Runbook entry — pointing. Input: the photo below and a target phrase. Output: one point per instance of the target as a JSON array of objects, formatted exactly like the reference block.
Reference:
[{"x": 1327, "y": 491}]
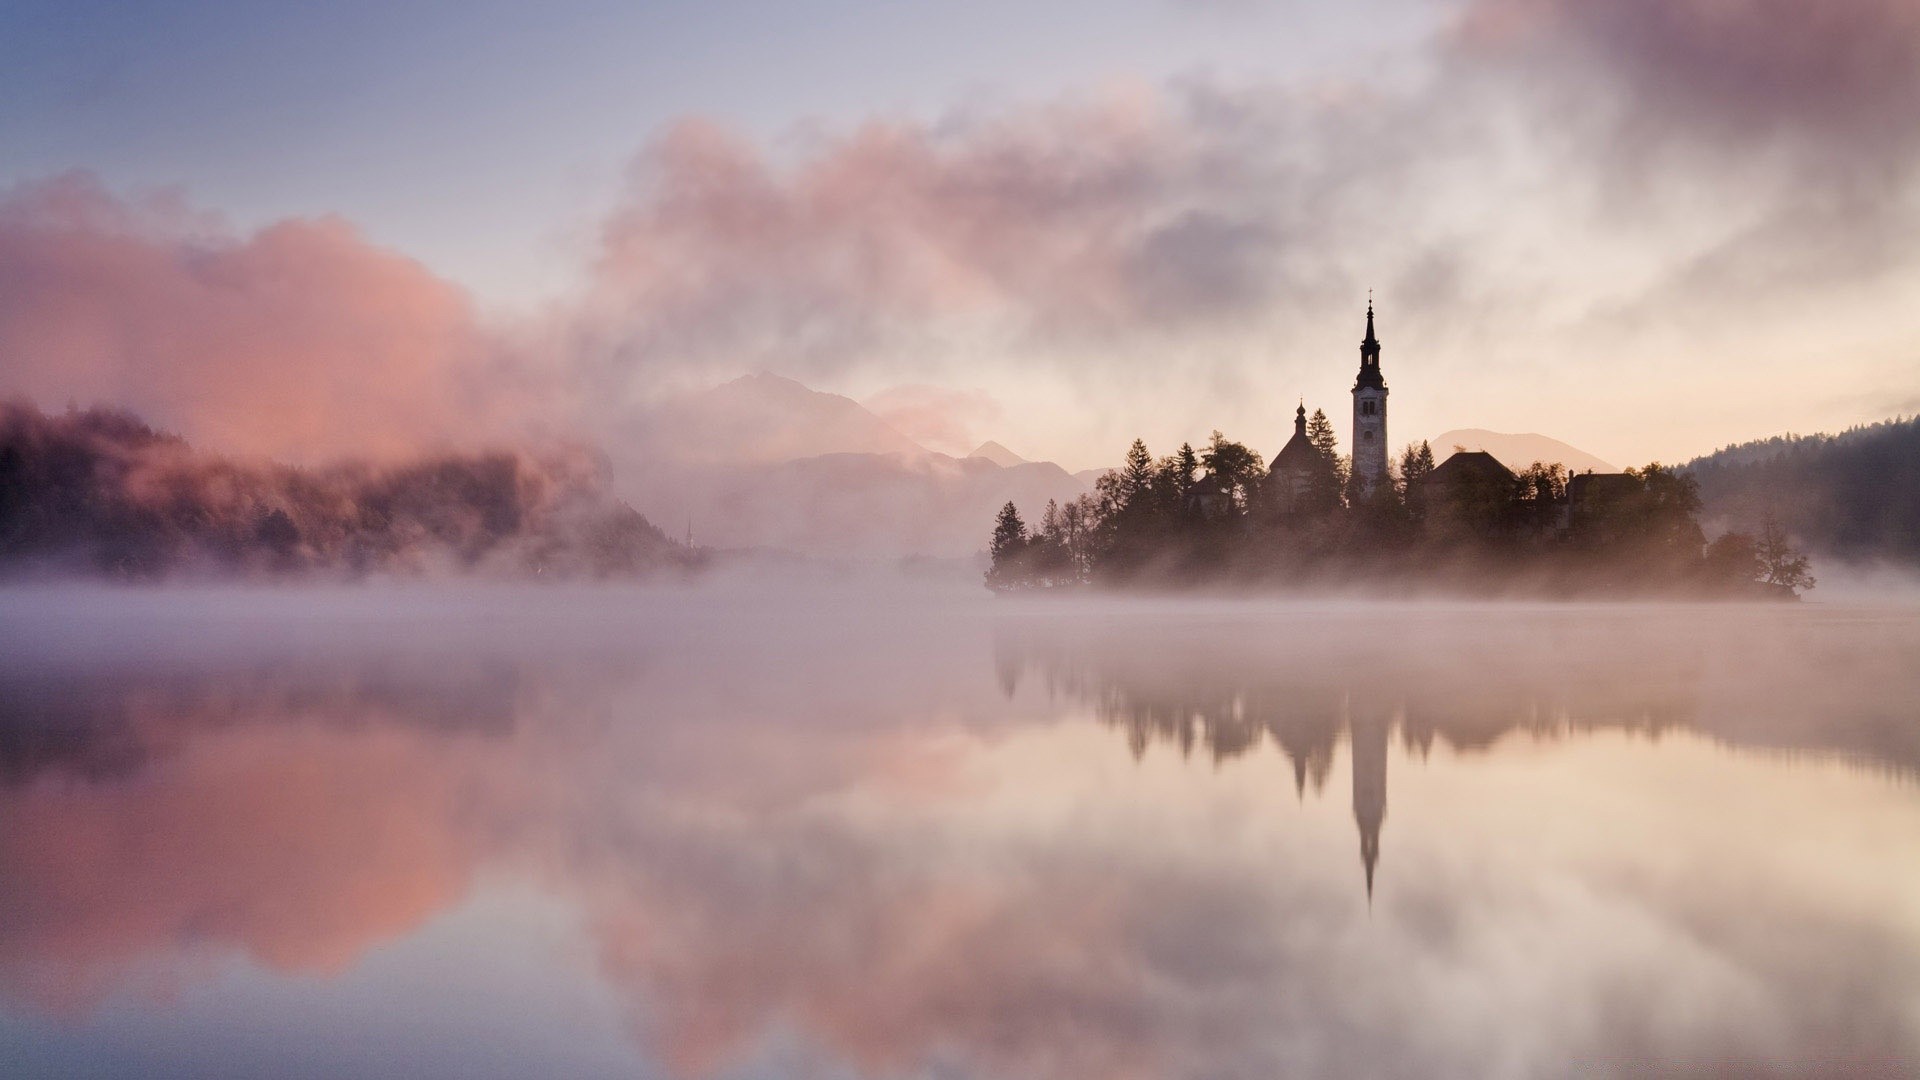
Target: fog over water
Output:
[{"x": 897, "y": 828}]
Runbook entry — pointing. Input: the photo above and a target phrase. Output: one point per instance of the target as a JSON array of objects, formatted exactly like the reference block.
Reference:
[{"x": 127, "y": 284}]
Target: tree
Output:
[
  {"x": 1008, "y": 549},
  {"x": 1733, "y": 559},
  {"x": 1136, "y": 479},
  {"x": 1049, "y": 552},
  {"x": 1782, "y": 565},
  {"x": 1329, "y": 480},
  {"x": 1077, "y": 522},
  {"x": 1176, "y": 480},
  {"x": 1234, "y": 470},
  {"x": 1666, "y": 514},
  {"x": 1416, "y": 464},
  {"x": 1542, "y": 492}
]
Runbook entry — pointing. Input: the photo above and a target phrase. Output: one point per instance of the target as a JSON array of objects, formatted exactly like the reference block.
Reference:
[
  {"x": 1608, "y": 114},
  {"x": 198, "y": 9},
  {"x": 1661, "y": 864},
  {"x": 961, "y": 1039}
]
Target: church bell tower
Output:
[{"x": 1370, "y": 415}]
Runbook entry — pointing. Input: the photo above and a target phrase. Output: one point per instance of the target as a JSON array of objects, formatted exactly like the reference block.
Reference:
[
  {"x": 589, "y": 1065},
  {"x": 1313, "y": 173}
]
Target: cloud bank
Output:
[
  {"x": 300, "y": 340},
  {"x": 1556, "y": 200}
]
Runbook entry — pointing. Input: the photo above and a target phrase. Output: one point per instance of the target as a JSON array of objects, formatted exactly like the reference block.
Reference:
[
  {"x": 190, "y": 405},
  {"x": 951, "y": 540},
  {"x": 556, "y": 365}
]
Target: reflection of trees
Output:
[
  {"x": 1229, "y": 697},
  {"x": 99, "y": 724},
  {"x": 780, "y": 837},
  {"x": 1231, "y": 688}
]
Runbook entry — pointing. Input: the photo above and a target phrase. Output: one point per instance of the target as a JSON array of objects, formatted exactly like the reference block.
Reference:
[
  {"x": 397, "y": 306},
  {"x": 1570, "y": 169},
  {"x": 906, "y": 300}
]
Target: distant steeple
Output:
[
  {"x": 1367, "y": 743},
  {"x": 1300, "y": 419},
  {"x": 1370, "y": 414},
  {"x": 1370, "y": 356}
]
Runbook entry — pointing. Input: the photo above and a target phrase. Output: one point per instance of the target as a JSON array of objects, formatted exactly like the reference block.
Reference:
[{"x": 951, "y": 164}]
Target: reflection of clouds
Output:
[
  {"x": 1190, "y": 925},
  {"x": 300, "y": 847},
  {"x": 857, "y": 839},
  {"x": 1800, "y": 682}
]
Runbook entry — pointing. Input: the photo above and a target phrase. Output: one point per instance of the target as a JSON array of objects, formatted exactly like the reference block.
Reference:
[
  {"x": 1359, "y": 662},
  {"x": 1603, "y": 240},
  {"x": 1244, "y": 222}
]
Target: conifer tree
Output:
[
  {"x": 1416, "y": 463},
  {"x": 1329, "y": 479},
  {"x": 1176, "y": 479},
  {"x": 1136, "y": 479},
  {"x": 1008, "y": 549}
]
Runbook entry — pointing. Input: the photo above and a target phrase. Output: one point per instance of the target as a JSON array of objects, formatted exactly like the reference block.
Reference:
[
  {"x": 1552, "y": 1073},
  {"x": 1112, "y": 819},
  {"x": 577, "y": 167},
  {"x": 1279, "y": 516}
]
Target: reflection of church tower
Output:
[
  {"x": 1370, "y": 414},
  {"x": 1367, "y": 738}
]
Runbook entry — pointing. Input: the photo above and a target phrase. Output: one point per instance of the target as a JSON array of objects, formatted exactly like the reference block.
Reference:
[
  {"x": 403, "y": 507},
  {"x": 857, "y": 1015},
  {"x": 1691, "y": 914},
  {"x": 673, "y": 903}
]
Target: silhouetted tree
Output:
[
  {"x": 1136, "y": 480},
  {"x": 1782, "y": 566},
  {"x": 1233, "y": 473},
  {"x": 1542, "y": 490},
  {"x": 1855, "y": 494},
  {"x": 1327, "y": 487},
  {"x": 1177, "y": 478},
  {"x": 1008, "y": 550},
  {"x": 1416, "y": 464},
  {"x": 1732, "y": 559}
]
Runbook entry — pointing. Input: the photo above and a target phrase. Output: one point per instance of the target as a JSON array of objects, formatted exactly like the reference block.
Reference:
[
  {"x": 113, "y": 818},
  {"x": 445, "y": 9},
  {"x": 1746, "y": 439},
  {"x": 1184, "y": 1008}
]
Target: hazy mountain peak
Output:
[
  {"x": 764, "y": 417},
  {"x": 998, "y": 454},
  {"x": 1518, "y": 450}
]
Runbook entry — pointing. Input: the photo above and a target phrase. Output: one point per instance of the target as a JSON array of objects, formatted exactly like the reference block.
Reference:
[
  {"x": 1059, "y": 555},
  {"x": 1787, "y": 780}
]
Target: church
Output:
[{"x": 1290, "y": 480}]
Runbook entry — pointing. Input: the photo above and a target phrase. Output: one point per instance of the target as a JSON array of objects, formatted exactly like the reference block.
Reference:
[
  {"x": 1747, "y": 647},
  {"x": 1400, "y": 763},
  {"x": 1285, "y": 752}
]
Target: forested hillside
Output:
[
  {"x": 99, "y": 492},
  {"x": 1855, "y": 495}
]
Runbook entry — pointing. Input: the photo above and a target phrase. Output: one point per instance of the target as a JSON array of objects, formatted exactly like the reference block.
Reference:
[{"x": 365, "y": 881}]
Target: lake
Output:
[{"x": 907, "y": 831}]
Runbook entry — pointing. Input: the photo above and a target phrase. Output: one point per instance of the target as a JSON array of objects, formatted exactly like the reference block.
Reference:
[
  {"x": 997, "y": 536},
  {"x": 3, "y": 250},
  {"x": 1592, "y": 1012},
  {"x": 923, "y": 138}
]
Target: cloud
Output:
[
  {"x": 300, "y": 340},
  {"x": 102, "y": 877},
  {"x": 1837, "y": 84},
  {"x": 937, "y": 417},
  {"x": 1549, "y": 183},
  {"x": 1051, "y": 226}
]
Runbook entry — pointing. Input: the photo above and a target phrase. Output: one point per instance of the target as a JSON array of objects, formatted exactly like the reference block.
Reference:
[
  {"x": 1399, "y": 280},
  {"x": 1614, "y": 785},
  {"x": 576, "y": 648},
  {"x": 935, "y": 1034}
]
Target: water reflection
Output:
[
  {"x": 1842, "y": 686},
  {"x": 862, "y": 842}
]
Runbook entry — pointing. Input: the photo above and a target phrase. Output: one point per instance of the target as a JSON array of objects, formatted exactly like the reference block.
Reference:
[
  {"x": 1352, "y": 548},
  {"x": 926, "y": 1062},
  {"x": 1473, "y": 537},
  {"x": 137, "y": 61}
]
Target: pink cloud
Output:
[
  {"x": 937, "y": 417},
  {"x": 300, "y": 340}
]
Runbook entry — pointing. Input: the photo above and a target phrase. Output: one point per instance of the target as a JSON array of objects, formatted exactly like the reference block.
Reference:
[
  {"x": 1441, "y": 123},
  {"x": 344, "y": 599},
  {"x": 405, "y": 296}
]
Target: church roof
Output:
[
  {"x": 1469, "y": 465},
  {"x": 1297, "y": 454}
]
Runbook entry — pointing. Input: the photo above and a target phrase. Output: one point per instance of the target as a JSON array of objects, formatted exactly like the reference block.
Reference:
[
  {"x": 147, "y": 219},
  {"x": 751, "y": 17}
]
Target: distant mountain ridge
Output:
[
  {"x": 999, "y": 455},
  {"x": 98, "y": 492},
  {"x": 1517, "y": 451},
  {"x": 767, "y": 462},
  {"x": 1855, "y": 495},
  {"x": 765, "y": 418}
]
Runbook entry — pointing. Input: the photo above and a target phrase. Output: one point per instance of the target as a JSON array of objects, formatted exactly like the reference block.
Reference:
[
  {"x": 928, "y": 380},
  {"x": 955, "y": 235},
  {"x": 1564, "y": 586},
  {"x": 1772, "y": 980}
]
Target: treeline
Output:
[
  {"x": 1217, "y": 517},
  {"x": 98, "y": 492},
  {"x": 1855, "y": 495}
]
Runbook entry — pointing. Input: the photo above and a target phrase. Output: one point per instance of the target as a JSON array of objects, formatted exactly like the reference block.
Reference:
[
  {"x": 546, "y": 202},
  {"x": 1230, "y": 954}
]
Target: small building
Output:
[
  {"x": 1470, "y": 469},
  {"x": 1290, "y": 478},
  {"x": 1470, "y": 492}
]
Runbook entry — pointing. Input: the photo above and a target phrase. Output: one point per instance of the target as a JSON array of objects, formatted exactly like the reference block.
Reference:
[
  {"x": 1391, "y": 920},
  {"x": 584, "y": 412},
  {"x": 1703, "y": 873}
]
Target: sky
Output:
[{"x": 1646, "y": 227}]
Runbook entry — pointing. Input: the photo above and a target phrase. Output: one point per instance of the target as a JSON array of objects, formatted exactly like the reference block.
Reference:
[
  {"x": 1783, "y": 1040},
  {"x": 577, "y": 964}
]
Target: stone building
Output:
[{"x": 1369, "y": 417}]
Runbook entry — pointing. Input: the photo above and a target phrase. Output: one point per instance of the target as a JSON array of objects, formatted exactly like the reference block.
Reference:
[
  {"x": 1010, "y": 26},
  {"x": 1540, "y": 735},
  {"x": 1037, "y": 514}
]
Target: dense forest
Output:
[
  {"x": 1218, "y": 518},
  {"x": 99, "y": 492},
  {"x": 1855, "y": 495}
]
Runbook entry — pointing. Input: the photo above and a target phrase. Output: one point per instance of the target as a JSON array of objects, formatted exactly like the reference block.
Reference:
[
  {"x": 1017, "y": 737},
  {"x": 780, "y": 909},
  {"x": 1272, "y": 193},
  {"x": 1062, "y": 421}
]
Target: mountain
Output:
[
  {"x": 849, "y": 505},
  {"x": 1517, "y": 452},
  {"x": 767, "y": 462},
  {"x": 765, "y": 418},
  {"x": 1855, "y": 495},
  {"x": 100, "y": 493},
  {"x": 999, "y": 455}
]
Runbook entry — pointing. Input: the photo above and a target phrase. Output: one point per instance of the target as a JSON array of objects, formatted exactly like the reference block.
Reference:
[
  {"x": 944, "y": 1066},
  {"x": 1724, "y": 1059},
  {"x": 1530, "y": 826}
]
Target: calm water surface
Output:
[{"x": 554, "y": 833}]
